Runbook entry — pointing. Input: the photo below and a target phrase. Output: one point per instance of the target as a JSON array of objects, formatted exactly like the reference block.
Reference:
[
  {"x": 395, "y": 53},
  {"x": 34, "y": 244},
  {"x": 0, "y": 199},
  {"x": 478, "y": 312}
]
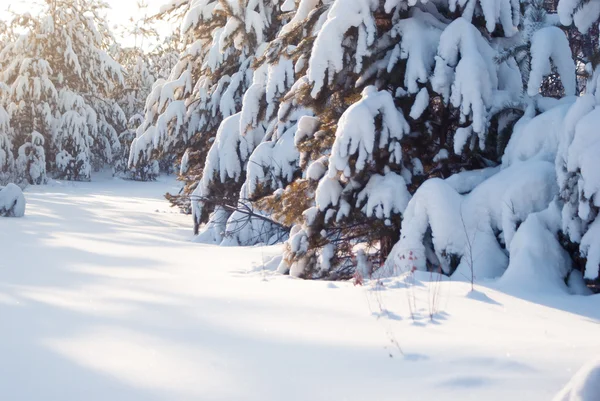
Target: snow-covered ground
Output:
[{"x": 103, "y": 297}]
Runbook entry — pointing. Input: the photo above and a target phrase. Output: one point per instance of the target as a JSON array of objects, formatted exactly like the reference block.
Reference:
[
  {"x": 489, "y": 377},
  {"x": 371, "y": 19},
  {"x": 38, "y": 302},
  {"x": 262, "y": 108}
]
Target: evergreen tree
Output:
[
  {"x": 228, "y": 160},
  {"x": 185, "y": 110},
  {"x": 428, "y": 83},
  {"x": 577, "y": 171},
  {"x": 31, "y": 160},
  {"x": 62, "y": 84},
  {"x": 484, "y": 225},
  {"x": 183, "y": 113},
  {"x": 7, "y": 159},
  {"x": 576, "y": 160},
  {"x": 142, "y": 68}
]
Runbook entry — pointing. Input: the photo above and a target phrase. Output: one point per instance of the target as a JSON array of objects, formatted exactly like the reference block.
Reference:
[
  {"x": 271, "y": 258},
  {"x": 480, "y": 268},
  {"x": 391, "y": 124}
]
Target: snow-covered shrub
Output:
[
  {"x": 488, "y": 228},
  {"x": 565, "y": 135},
  {"x": 12, "y": 201}
]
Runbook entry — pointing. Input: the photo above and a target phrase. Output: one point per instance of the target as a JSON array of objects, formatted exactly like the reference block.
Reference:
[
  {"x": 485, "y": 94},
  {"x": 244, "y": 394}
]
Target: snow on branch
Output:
[
  {"x": 327, "y": 58},
  {"x": 469, "y": 77},
  {"x": 580, "y": 12},
  {"x": 550, "y": 45},
  {"x": 357, "y": 135}
]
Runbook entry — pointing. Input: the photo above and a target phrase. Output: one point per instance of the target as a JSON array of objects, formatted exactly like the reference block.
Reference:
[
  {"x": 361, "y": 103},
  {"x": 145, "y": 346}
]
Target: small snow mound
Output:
[
  {"x": 584, "y": 386},
  {"x": 481, "y": 297},
  {"x": 12, "y": 201},
  {"x": 272, "y": 264}
]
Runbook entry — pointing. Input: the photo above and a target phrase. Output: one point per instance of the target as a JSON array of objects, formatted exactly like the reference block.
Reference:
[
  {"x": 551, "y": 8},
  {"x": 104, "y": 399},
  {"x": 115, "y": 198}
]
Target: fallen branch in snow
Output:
[{"x": 244, "y": 209}]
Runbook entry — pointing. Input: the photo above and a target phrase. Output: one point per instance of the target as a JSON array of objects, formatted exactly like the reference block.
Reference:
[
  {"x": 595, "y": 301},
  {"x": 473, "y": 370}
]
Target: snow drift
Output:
[{"x": 584, "y": 386}]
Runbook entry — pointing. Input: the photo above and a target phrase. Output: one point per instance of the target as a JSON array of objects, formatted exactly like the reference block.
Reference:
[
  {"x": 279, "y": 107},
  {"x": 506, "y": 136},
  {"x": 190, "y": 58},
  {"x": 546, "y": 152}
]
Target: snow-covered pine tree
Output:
[
  {"x": 579, "y": 179},
  {"x": 222, "y": 184},
  {"x": 204, "y": 87},
  {"x": 289, "y": 142},
  {"x": 31, "y": 160},
  {"x": 164, "y": 128},
  {"x": 183, "y": 113},
  {"x": 7, "y": 159},
  {"x": 30, "y": 101},
  {"x": 165, "y": 55},
  {"x": 66, "y": 95},
  {"x": 498, "y": 230},
  {"x": 275, "y": 163},
  {"x": 467, "y": 222},
  {"x": 577, "y": 163},
  {"x": 433, "y": 75},
  {"x": 142, "y": 65}
]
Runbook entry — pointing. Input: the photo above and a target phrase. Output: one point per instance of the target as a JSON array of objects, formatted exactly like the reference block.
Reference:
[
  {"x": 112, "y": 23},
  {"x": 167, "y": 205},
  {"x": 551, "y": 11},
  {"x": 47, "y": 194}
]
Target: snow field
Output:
[{"x": 102, "y": 296}]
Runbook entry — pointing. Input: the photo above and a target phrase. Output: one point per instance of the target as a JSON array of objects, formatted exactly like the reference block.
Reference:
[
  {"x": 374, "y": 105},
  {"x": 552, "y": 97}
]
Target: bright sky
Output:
[
  {"x": 118, "y": 14},
  {"x": 122, "y": 10}
]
